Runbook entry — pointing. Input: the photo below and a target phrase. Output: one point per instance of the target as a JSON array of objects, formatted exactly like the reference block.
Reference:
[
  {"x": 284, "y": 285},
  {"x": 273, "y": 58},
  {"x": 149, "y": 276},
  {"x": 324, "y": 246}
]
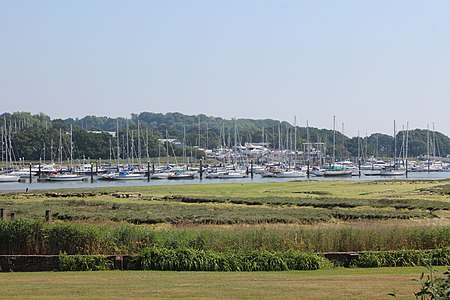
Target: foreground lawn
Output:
[{"x": 322, "y": 284}]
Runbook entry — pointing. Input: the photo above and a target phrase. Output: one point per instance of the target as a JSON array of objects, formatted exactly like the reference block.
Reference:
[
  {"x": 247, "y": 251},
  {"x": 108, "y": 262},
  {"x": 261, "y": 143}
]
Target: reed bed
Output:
[{"x": 24, "y": 236}]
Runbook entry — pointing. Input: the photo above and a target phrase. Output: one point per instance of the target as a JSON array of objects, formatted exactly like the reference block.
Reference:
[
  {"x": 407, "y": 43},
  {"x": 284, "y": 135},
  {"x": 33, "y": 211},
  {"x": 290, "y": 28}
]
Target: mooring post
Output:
[
  {"x": 40, "y": 173},
  {"x": 406, "y": 168},
  {"x": 359, "y": 168},
  {"x": 201, "y": 168},
  {"x": 148, "y": 171},
  {"x": 2, "y": 214},
  {"x": 48, "y": 216},
  {"x": 251, "y": 169},
  {"x": 307, "y": 170},
  {"x": 92, "y": 173},
  {"x": 12, "y": 214},
  {"x": 30, "y": 174}
]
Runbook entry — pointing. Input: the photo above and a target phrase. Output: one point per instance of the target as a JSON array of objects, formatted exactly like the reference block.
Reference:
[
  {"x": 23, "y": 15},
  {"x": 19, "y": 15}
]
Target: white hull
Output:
[
  {"x": 9, "y": 178},
  {"x": 290, "y": 174},
  {"x": 231, "y": 175},
  {"x": 393, "y": 173},
  {"x": 180, "y": 176},
  {"x": 66, "y": 177},
  {"x": 160, "y": 175}
]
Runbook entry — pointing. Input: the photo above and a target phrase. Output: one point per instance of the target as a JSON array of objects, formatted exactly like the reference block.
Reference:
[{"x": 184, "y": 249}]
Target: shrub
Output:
[
  {"x": 190, "y": 259},
  {"x": 402, "y": 258},
  {"x": 84, "y": 262},
  {"x": 434, "y": 287}
]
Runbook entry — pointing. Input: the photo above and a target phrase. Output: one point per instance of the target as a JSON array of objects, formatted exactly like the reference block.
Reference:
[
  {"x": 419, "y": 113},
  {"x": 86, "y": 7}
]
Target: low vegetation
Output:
[
  {"x": 22, "y": 236},
  {"x": 305, "y": 202}
]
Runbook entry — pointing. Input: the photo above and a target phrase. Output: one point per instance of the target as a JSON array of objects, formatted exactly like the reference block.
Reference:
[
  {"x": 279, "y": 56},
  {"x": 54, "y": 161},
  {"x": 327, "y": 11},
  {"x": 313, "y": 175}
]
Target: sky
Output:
[{"x": 368, "y": 63}]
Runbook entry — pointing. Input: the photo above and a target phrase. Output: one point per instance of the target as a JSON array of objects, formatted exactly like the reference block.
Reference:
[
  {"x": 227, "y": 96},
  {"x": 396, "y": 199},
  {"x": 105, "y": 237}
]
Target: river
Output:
[{"x": 35, "y": 185}]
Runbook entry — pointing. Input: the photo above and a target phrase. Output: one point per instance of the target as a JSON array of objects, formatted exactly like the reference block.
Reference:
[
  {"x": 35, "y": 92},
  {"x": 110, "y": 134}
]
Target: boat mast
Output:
[
  {"x": 359, "y": 147},
  {"x": 132, "y": 147},
  {"x": 334, "y": 140},
  {"x": 184, "y": 144},
  {"x": 395, "y": 146},
  {"x": 307, "y": 141},
  {"x": 110, "y": 151},
  {"x": 118, "y": 145},
  {"x": 199, "y": 131},
  {"x": 2, "y": 145},
  {"x": 406, "y": 147},
  {"x": 60, "y": 149},
  {"x": 71, "y": 149},
  {"x": 139, "y": 144},
  {"x": 295, "y": 140},
  {"x": 128, "y": 146},
  {"x": 167, "y": 146},
  {"x": 146, "y": 144}
]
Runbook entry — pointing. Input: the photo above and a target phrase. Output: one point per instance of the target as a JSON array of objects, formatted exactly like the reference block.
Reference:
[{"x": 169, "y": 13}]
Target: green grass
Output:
[
  {"x": 289, "y": 202},
  {"x": 321, "y": 284},
  {"x": 315, "y": 216}
]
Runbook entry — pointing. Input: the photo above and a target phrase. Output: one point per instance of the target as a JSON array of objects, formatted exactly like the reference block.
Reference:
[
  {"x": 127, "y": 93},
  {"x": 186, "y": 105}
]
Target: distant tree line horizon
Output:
[{"x": 37, "y": 136}]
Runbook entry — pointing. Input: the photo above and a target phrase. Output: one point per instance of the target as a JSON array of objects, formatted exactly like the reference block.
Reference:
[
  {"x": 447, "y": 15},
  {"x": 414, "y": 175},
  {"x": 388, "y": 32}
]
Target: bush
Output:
[
  {"x": 84, "y": 262},
  {"x": 190, "y": 259},
  {"x": 402, "y": 258},
  {"x": 434, "y": 287}
]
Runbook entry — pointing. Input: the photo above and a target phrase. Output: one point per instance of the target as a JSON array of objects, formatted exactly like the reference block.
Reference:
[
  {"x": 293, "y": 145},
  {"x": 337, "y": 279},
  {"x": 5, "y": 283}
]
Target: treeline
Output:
[{"x": 38, "y": 136}]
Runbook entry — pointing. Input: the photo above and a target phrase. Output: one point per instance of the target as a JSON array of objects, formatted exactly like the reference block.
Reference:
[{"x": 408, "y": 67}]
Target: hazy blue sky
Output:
[{"x": 366, "y": 62}]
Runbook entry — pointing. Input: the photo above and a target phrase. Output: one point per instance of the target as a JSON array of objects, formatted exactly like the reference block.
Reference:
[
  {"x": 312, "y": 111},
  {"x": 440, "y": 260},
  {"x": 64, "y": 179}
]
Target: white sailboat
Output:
[
  {"x": 393, "y": 170},
  {"x": 65, "y": 176},
  {"x": 8, "y": 158}
]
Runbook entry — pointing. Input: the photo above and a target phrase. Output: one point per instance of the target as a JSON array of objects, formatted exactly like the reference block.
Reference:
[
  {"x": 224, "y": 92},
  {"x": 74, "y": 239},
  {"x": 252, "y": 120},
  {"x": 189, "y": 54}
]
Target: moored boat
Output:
[
  {"x": 65, "y": 177},
  {"x": 336, "y": 172},
  {"x": 9, "y": 178}
]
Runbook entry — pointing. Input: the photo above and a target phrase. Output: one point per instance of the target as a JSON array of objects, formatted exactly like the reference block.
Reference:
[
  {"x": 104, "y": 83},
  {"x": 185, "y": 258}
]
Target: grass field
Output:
[
  {"x": 304, "y": 202},
  {"x": 322, "y": 284},
  {"x": 316, "y": 216}
]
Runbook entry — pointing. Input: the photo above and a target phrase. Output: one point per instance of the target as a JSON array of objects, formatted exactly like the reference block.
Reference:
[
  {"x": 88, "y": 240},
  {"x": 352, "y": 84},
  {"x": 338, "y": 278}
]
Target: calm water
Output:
[{"x": 23, "y": 185}]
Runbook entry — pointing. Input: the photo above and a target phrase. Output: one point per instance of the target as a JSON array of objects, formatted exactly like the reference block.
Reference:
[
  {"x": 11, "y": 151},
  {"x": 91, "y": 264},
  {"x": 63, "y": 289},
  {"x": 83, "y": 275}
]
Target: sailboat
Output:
[
  {"x": 334, "y": 171},
  {"x": 65, "y": 176},
  {"x": 7, "y": 177},
  {"x": 393, "y": 170}
]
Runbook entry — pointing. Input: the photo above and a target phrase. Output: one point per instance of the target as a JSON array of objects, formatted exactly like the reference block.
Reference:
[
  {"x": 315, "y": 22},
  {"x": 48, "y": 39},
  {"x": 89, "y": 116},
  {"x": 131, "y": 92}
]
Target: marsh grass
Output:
[{"x": 35, "y": 237}]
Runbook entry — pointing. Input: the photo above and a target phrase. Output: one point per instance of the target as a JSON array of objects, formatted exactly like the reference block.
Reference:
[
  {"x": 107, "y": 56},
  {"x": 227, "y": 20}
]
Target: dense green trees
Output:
[{"x": 37, "y": 136}]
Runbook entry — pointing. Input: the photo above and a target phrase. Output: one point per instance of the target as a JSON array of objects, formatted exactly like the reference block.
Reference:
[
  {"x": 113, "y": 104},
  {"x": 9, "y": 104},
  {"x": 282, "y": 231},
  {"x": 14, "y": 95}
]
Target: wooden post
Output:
[
  {"x": 40, "y": 174},
  {"x": 406, "y": 168},
  {"x": 48, "y": 216},
  {"x": 30, "y": 174},
  {"x": 13, "y": 214},
  {"x": 307, "y": 170},
  {"x": 118, "y": 262},
  {"x": 153, "y": 167},
  {"x": 2, "y": 214},
  {"x": 251, "y": 169},
  {"x": 201, "y": 169},
  {"x": 359, "y": 168},
  {"x": 148, "y": 171},
  {"x": 92, "y": 173}
]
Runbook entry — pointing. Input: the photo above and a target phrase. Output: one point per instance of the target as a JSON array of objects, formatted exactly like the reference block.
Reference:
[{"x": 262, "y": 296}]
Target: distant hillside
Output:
[{"x": 37, "y": 136}]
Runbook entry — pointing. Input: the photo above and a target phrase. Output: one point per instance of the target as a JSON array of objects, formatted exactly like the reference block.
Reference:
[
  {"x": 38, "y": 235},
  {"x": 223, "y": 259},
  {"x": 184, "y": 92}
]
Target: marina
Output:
[{"x": 24, "y": 184}]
